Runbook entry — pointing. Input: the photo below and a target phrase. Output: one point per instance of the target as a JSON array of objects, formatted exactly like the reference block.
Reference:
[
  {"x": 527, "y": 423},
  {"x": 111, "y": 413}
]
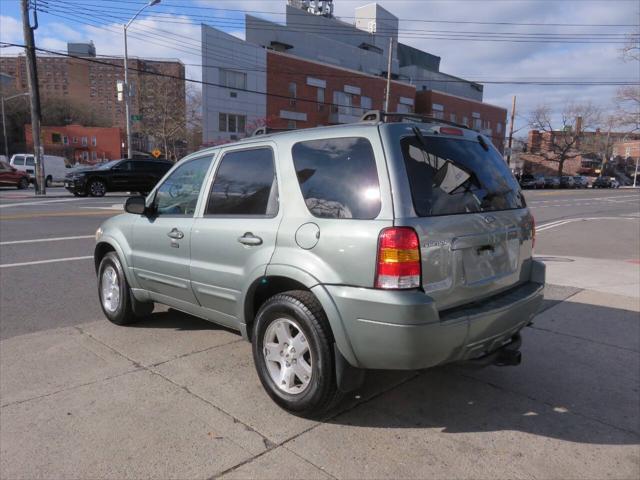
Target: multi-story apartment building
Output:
[
  {"x": 91, "y": 82},
  {"x": 318, "y": 70}
]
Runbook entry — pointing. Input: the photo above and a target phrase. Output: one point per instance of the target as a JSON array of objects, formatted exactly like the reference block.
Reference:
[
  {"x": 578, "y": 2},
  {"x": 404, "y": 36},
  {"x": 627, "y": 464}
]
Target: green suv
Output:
[{"x": 377, "y": 245}]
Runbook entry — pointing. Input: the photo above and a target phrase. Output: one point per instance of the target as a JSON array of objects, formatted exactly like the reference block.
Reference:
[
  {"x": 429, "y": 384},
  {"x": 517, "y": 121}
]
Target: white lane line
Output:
[
  {"x": 22, "y": 204},
  {"x": 551, "y": 225},
  {"x": 115, "y": 206},
  {"x": 53, "y": 239},
  {"x": 39, "y": 262}
]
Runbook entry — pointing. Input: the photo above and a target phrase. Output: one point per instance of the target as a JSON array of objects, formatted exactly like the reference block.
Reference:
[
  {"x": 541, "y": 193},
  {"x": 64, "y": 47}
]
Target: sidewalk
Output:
[{"x": 176, "y": 397}]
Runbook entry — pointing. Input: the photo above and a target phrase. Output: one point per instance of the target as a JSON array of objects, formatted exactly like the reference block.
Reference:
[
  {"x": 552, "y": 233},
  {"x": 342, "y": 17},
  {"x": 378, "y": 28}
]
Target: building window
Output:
[
  {"x": 402, "y": 108},
  {"x": 320, "y": 99},
  {"x": 84, "y": 141},
  {"x": 452, "y": 117},
  {"x": 85, "y": 156},
  {"x": 94, "y": 155},
  {"x": 56, "y": 138},
  {"x": 75, "y": 139},
  {"x": 94, "y": 141},
  {"x": 438, "y": 110},
  {"x": 229, "y": 122},
  {"x": 366, "y": 103},
  {"x": 343, "y": 102},
  {"x": 232, "y": 79},
  {"x": 499, "y": 127},
  {"x": 65, "y": 140},
  {"x": 291, "y": 125},
  {"x": 465, "y": 121},
  {"x": 293, "y": 89}
]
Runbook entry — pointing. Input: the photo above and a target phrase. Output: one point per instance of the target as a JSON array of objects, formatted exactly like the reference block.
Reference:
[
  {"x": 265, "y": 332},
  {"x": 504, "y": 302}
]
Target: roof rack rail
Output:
[
  {"x": 266, "y": 130},
  {"x": 386, "y": 117}
]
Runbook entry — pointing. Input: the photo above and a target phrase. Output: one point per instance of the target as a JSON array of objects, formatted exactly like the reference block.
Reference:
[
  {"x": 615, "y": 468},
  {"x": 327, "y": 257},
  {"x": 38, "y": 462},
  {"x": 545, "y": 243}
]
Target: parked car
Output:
[
  {"x": 580, "y": 182},
  {"x": 551, "y": 182},
  {"x": 373, "y": 245},
  {"x": 566, "y": 182},
  {"x": 116, "y": 176},
  {"x": 55, "y": 168},
  {"x": 12, "y": 177},
  {"x": 606, "y": 182},
  {"x": 532, "y": 181}
]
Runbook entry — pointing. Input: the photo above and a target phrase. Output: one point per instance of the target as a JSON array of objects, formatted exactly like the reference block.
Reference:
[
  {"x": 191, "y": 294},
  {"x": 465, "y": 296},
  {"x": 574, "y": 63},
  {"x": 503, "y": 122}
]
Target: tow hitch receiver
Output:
[{"x": 508, "y": 355}]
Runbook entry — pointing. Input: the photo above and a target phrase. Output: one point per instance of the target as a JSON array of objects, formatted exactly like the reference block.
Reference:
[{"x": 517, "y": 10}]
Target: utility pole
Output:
[
  {"x": 513, "y": 115},
  {"x": 34, "y": 91},
  {"x": 387, "y": 94}
]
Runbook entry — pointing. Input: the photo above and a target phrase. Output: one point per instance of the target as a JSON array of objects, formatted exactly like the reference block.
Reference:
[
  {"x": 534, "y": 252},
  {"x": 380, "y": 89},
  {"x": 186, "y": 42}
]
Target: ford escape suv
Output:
[{"x": 377, "y": 245}]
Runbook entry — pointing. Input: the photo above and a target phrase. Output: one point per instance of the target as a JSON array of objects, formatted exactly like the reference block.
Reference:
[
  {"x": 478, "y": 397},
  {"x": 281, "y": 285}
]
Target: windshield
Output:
[
  {"x": 449, "y": 177},
  {"x": 107, "y": 165}
]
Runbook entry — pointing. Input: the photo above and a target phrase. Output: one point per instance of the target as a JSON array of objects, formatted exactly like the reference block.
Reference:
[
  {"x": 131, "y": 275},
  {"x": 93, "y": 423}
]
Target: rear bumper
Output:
[{"x": 403, "y": 330}]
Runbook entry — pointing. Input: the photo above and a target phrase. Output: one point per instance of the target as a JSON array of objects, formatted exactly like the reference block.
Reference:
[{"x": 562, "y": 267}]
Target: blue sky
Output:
[{"x": 171, "y": 30}]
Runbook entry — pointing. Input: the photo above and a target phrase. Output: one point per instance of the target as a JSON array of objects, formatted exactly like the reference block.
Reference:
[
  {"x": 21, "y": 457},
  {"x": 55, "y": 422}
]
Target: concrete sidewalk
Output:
[{"x": 176, "y": 397}]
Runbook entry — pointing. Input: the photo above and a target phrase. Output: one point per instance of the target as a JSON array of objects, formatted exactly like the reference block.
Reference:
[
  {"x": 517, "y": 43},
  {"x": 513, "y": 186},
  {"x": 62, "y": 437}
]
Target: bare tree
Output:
[
  {"x": 562, "y": 133},
  {"x": 194, "y": 117},
  {"x": 627, "y": 98}
]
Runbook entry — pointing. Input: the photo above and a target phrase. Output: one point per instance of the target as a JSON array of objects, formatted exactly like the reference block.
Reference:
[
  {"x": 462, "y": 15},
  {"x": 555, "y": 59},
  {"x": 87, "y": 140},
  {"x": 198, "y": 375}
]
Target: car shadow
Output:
[
  {"x": 583, "y": 389},
  {"x": 171, "y": 319}
]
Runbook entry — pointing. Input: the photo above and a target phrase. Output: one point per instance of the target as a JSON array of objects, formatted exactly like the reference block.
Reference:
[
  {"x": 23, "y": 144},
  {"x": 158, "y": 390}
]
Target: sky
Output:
[{"x": 172, "y": 30}]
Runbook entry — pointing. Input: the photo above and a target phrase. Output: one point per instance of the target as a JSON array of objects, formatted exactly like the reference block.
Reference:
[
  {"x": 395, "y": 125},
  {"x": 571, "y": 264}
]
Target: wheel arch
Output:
[
  {"x": 106, "y": 245},
  {"x": 281, "y": 278}
]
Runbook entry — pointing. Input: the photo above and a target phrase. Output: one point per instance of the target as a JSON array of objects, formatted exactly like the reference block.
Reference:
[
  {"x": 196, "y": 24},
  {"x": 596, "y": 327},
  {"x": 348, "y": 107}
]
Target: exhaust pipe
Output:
[{"x": 508, "y": 358}]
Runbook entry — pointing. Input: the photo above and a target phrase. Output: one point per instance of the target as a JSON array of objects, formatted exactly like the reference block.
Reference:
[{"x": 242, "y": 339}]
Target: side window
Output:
[
  {"x": 18, "y": 161},
  {"x": 178, "y": 194},
  {"x": 338, "y": 177},
  {"x": 245, "y": 184},
  {"x": 125, "y": 166},
  {"x": 30, "y": 162}
]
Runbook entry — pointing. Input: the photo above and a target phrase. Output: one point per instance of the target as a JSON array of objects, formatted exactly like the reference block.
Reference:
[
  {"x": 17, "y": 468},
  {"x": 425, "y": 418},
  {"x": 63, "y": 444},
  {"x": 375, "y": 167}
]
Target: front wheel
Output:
[
  {"x": 48, "y": 182},
  {"x": 117, "y": 302},
  {"x": 23, "y": 183},
  {"x": 97, "y": 188},
  {"x": 293, "y": 354}
]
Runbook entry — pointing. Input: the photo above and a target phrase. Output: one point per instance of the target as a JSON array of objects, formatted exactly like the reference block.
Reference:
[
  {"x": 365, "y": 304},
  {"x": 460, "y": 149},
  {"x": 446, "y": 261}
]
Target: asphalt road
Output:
[{"x": 59, "y": 229}]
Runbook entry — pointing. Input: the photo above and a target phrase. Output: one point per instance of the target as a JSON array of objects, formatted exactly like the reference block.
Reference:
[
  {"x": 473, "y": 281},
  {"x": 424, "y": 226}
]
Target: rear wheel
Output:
[
  {"x": 97, "y": 188},
  {"x": 293, "y": 354},
  {"x": 23, "y": 183}
]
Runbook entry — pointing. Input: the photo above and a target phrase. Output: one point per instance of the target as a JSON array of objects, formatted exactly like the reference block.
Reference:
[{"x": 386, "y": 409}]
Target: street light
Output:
[
  {"x": 4, "y": 121},
  {"x": 127, "y": 97}
]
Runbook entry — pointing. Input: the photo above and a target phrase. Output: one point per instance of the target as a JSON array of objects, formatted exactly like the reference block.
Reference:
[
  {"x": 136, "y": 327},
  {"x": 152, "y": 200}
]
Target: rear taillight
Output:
[{"x": 398, "y": 263}]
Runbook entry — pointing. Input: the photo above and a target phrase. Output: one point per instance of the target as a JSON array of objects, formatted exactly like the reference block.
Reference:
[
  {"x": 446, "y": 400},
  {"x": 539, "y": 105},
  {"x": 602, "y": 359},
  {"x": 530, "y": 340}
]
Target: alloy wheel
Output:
[
  {"x": 110, "y": 289},
  {"x": 287, "y": 356}
]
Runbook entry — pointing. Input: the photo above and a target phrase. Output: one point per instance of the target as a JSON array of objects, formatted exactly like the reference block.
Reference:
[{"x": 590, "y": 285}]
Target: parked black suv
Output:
[{"x": 116, "y": 176}]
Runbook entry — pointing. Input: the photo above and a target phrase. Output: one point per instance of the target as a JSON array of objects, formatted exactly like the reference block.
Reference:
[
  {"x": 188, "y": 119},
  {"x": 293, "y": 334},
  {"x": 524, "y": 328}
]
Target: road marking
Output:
[
  {"x": 22, "y": 204},
  {"x": 40, "y": 262},
  {"x": 549, "y": 226},
  {"x": 115, "y": 206},
  {"x": 53, "y": 239},
  {"x": 23, "y": 216}
]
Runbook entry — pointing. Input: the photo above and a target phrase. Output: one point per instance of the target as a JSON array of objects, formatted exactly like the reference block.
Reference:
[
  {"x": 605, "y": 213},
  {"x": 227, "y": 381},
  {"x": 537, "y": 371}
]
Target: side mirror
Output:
[{"x": 135, "y": 205}]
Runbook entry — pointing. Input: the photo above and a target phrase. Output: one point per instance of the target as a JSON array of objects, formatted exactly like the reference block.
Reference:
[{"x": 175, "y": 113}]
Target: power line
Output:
[{"x": 165, "y": 4}]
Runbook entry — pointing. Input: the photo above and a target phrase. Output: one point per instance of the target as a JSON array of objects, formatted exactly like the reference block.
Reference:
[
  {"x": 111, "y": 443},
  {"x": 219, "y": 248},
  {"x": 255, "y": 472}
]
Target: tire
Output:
[
  {"x": 48, "y": 182},
  {"x": 23, "y": 183},
  {"x": 116, "y": 300},
  {"x": 97, "y": 188},
  {"x": 79, "y": 194},
  {"x": 299, "y": 313}
]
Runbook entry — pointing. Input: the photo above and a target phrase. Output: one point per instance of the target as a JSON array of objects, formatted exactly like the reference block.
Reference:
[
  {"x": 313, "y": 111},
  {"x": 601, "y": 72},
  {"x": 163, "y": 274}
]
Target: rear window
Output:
[
  {"x": 338, "y": 177},
  {"x": 449, "y": 177}
]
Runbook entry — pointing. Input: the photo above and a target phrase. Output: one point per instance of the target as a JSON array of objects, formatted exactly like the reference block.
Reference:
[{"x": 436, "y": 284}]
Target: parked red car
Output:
[{"x": 11, "y": 177}]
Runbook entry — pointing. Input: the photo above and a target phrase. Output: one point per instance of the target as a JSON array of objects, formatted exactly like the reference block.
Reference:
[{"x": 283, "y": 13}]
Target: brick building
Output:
[
  {"x": 305, "y": 93},
  {"x": 80, "y": 144},
  {"x": 91, "y": 83},
  {"x": 629, "y": 149},
  {"x": 483, "y": 117}
]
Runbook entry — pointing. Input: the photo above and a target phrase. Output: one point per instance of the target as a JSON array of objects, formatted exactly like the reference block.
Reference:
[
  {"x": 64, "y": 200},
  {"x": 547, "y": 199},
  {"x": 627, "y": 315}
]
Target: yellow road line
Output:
[{"x": 58, "y": 214}]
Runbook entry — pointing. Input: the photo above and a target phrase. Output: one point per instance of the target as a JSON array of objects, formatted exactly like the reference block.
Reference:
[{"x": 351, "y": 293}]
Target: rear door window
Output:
[
  {"x": 338, "y": 177},
  {"x": 450, "y": 177}
]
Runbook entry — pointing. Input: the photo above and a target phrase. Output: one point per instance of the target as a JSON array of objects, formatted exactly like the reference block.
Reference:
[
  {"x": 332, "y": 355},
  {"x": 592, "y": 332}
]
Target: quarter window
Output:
[
  {"x": 178, "y": 194},
  {"x": 245, "y": 184},
  {"x": 338, "y": 177}
]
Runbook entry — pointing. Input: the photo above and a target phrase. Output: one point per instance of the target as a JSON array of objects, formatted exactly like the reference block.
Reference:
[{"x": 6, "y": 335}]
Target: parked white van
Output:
[{"x": 55, "y": 168}]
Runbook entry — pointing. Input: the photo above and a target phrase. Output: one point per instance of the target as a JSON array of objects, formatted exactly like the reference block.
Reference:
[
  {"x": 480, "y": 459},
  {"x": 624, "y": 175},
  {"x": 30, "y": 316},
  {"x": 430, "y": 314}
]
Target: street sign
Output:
[
  {"x": 136, "y": 118},
  {"x": 156, "y": 153}
]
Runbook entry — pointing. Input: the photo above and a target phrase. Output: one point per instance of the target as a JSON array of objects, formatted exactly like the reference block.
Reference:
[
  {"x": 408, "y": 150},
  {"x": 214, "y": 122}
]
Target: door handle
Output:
[
  {"x": 175, "y": 233},
  {"x": 250, "y": 239}
]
